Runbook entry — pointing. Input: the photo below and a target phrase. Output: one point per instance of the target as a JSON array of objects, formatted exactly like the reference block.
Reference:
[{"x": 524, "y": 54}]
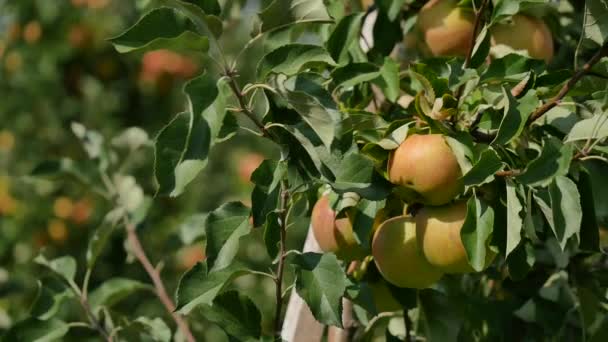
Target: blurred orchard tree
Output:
[{"x": 449, "y": 156}]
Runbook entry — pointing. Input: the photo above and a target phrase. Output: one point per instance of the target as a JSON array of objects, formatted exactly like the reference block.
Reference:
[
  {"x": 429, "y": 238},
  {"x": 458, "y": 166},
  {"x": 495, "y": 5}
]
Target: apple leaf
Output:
[
  {"x": 566, "y": 209},
  {"x": 321, "y": 282},
  {"x": 236, "y": 314},
  {"x": 589, "y": 235},
  {"x": 345, "y": 38},
  {"x": 483, "y": 171},
  {"x": 51, "y": 295},
  {"x": 114, "y": 290},
  {"x": 514, "y": 220},
  {"x": 283, "y": 13},
  {"x": 516, "y": 114},
  {"x": 593, "y": 128},
  {"x": 182, "y": 147},
  {"x": 64, "y": 266},
  {"x": 200, "y": 286},
  {"x": 160, "y": 29},
  {"x": 554, "y": 160},
  {"x": 224, "y": 228},
  {"x": 293, "y": 58},
  {"x": 146, "y": 329},
  {"x": 35, "y": 330},
  {"x": 595, "y": 27},
  {"x": 441, "y": 320},
  {"x": 476, "y": 232}
]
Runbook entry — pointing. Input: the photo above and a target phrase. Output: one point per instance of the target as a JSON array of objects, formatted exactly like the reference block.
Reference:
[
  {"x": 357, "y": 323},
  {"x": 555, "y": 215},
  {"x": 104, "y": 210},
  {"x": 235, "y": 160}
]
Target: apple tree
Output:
[{"x": 450, "y": 156}]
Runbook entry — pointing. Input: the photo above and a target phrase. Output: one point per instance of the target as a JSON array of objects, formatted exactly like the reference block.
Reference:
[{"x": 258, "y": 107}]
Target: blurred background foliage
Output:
[{"x": 56, "y": 68}]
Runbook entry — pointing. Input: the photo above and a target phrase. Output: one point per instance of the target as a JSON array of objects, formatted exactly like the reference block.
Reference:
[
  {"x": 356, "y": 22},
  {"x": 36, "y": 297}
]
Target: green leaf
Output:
[
  {"x": 34, "y": 330},
  {"x": 239, "y": 317},
  {"x": 515, "y": 116},
  {"x": 481, "y": 48},
  {"x": 554, "y": 160},
  {"x": 589, "y": 235},
  {"x": 356, "y": 173},
  {"x": 353, "y": 74},
  {"x": 146, "y": 329},
  {"x": 205, "y": 23},
  {"x": 283, "y": 13},
  {"x": 321, "y": 119},
  {"x": 208, "y": 6},
  {"x": 476, "y": 232},
  {"x": 514, "y": 220},
  {"x": 51, "y": 295},
  {"x": 293, "y": 58},
  {"x": 483, "y": 171},
  {"x": 441, "y": 319},
  {"x": 160, "y": 29},
  {"x": 521, "y": 260},
  {"x": 566, "y": 209},
  {"x": 599, "y": 183},
  {"x": 507, "y": 8},
  {"x": 272, "y": 234},
  {"x": 389, "y": 79},
  {"x": 64, "y": 266},
  {"x": 265, "y": 195},
  {"x": 345, "y": 37},
  {"x": 182, "y": 147},
  {"x": 512, "y": 68},
  {"x": 114, "y": 290},
  {"x": 199, "y": 286},
  {"x": 224, "y": 228},
  {"x": 593, "y": 128},
  {"x": 321, "y": 282},
  {"x": 99, "y": 239},
  {"x": 595, "y": 26}
]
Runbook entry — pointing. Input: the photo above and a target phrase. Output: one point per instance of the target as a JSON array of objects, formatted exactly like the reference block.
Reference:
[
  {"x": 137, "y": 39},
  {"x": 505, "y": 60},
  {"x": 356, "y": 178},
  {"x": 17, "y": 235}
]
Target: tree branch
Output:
[
  {"x": 231, "y": 74},
  {"x": 508, "y": 173},
  {"x": 469, "y": 55},
  {"x": 154, "y": 275},
  {"x": 478, "y": 22},
  {"x": 540, "y": 111},
  {"x": 281, "y": 266}
]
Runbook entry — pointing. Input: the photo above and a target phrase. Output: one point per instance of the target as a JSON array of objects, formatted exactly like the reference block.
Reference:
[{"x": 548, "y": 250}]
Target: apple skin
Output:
[
  {"x": 447, "y": 29},
  {"x": 525, "y": 33},
  {"x": 426, "y": 166},
  {"x": 334, "y": 235},
  {"x": 398, "y": 256},
  {"x": 438, "y": 232}
]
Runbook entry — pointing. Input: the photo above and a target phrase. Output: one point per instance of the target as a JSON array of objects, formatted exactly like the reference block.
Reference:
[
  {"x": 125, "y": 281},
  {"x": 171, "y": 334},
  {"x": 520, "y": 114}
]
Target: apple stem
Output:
[{"x": 540, "y": 111}]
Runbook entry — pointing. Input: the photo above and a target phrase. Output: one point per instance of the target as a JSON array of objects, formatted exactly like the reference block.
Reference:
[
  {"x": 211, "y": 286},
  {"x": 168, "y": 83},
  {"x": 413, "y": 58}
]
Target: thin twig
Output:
[
  {"x": 469, "y": 55},
  {"x": 231, "y": 74},
  {"x": 282, "y": 255},
  {"x": 478, "y": 22},
  {"x": 407, "y": 322},
  {"x": 159, "y": 287},
  {"x": 508, "y": 173},
  {"x": 540, "y": 111},
  {"x": 94, "y": 322}
]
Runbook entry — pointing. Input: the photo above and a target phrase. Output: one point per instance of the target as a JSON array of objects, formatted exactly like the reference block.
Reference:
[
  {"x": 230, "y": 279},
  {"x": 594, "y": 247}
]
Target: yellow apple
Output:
[
  {"x": 398, "y": 256},
  {"x": 438, "y": 232},
  {"x": 426, "y": 166},
  {"x": 527, "y": 33},
  {"x": 334, "y": 234},
  {"x": 447, "y": 29}
]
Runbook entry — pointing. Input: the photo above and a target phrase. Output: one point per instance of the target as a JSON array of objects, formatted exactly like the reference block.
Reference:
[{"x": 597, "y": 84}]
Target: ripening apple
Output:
[
  {"x": 334, "y": 234},
  {"x": 398, "y": 256},
  {"x": 524, "y": 32},
  {"x": 438, "y": 232},
  {"x": 446, "y": 28},
  {"x": 426, "y": 168}
]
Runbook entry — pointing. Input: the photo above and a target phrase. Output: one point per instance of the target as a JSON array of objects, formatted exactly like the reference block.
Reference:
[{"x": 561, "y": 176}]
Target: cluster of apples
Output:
[
  {"x": 409, "y": 251},
  {"x": 446, "y": 30}
]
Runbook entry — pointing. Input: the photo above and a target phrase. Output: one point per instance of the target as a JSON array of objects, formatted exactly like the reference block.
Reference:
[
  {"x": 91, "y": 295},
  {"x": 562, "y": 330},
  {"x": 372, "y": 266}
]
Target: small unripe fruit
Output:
[
  {"x": 398, "y": 256},
  {"x": 334, "y": 235},
  {"x": 438, "y": 232},
  {"x": 426, "y": 165},
  {"x": 62, "y": 207},
  {"x": 525, "y": 33},
  {"x": 32, "y": 32},
  {"x": 447, "y": 29}
]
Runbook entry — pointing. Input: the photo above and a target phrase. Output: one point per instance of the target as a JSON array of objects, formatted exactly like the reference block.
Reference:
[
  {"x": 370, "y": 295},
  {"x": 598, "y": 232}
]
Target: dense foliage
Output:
[{"x": 450, "y": 157}]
